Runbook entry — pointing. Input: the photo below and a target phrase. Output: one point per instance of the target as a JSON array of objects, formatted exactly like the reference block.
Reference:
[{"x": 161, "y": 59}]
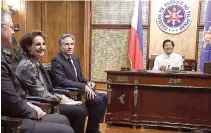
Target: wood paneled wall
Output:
[
  {"x": 33, "y": 15},
  {"x": 20, "y": 18},
  {"x": 53, "y": 18},
  {"x": 56, "y": 18},
  {"x": 54, "y": 23}
]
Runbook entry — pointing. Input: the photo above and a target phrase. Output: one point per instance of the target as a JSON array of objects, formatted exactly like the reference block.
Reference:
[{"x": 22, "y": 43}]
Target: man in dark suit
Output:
[
  {"x": 13, "y": 103},
  {"x": 67, "y": 72}
]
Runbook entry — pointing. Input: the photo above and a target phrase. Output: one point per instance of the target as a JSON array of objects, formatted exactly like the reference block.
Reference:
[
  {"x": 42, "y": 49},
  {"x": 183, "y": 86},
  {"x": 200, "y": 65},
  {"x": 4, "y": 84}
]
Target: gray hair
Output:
[
  {"x": 3, "y": 14},
  {"x": 63, "y": 36}
]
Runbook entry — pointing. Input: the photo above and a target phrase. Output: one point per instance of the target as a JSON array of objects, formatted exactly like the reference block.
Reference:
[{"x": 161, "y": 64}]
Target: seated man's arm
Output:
[
  {"x": 156, "y": 65},
  {"x": 82, "y": 79},
  {"x": 59, "y": 74},
  {"x": 11, "y": 102},
  {"x": 81, "y": 76}
]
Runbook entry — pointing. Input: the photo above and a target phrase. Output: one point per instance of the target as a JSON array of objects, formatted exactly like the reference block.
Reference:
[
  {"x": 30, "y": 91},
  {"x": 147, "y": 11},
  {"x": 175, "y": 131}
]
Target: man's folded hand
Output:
[{"x": 89, "y": 92}]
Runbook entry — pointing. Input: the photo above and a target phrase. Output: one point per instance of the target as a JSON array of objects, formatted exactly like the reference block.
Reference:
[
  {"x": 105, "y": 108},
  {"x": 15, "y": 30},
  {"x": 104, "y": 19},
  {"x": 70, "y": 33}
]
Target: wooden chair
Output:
[{"x": 71, "y": 92}]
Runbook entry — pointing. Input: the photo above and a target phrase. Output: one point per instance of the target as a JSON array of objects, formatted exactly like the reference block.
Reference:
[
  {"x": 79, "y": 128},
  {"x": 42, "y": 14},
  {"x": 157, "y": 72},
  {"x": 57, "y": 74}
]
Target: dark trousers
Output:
[
  {"x": 76, "y": 115},
  {"x": 96, "y": 111},
  {"x": 50, "y": 123}
]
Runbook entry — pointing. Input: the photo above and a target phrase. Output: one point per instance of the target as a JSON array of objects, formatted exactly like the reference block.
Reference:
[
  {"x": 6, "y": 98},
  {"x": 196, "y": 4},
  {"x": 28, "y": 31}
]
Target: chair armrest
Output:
[
  {"x": 72, "y": 89},
  {"x": 10, "y": 124},
  {"x": 46, "y": 107},
  {"x": 33, "y": 102},
  {"x": 74, "y": 93},
  {"x": 42, "y": 100},
  {"x": 61, "y": 91},
  {"x": 70, "y": 94},
  {"x": 47, "y": 104},
  {"x": 6, "y": 119},
  {"x": 67, "y": 88}
]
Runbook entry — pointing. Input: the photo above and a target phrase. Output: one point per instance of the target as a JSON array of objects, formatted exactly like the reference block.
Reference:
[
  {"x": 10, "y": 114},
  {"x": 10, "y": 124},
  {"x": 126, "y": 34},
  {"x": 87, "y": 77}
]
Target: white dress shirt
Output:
[{"x": 172, "y": 60}]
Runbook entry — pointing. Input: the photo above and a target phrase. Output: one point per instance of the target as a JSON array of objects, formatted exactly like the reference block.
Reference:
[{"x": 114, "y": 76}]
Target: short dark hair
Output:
[
  {"x": 63, "y": 36},
  {"x": 28, "y": 38},
  {"x": 168, "y": 40}
]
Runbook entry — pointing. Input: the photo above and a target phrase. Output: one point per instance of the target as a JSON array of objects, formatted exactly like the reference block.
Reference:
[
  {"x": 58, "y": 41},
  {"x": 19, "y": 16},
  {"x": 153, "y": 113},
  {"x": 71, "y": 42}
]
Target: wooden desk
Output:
[{"x": 159, "y": 99}]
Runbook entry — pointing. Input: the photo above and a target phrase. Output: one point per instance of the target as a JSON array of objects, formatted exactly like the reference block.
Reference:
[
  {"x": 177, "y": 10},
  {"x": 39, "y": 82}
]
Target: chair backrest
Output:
[
  {"x": 153, "y": 56},
  {"x": 48, "y": 69},
  {"x": 207, "y": 67},
  {"x": 151, "y": 62},
  {"x": 53, "y": 80}
]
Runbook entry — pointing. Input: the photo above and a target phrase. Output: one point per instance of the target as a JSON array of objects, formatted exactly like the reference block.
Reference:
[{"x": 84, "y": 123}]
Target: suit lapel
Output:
[{"x": 66, "y": 63}]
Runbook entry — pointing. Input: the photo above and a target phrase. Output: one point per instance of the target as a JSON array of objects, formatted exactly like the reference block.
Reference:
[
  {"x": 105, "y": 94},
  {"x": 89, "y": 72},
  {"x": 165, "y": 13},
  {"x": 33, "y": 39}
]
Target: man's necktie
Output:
[{"x": 72, "y": 63}]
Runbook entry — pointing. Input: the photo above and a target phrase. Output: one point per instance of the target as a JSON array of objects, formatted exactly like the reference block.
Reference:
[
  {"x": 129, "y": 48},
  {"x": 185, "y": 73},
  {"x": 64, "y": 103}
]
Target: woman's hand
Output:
[{"x": 39, "y": 111}]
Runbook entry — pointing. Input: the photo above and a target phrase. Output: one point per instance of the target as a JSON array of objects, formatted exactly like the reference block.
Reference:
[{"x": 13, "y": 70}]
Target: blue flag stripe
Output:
[{"x": 206, "y": 43}]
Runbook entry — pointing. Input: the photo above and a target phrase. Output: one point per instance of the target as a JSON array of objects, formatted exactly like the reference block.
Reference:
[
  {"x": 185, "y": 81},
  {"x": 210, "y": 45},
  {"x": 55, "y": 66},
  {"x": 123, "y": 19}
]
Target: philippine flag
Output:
[{"x": 135, "y": 48}]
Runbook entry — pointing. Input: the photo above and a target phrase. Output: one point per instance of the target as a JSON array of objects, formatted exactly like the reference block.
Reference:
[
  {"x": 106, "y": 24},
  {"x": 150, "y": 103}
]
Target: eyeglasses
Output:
[{"x": 11, "y": 27}]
